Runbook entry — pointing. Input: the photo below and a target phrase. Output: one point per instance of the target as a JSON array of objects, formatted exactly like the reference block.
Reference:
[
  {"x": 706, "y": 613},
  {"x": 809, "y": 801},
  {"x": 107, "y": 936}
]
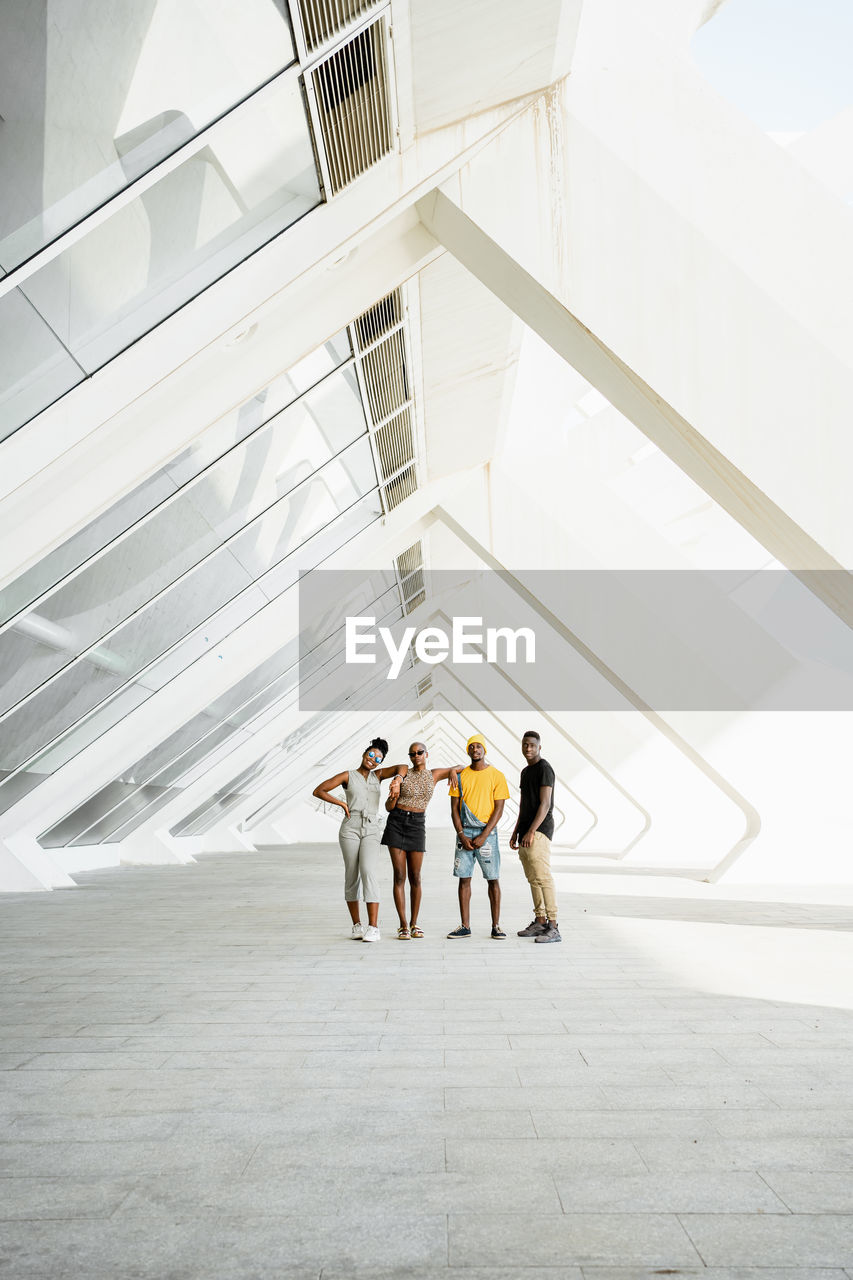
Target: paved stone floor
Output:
[{"x": 205, "y": 1079}]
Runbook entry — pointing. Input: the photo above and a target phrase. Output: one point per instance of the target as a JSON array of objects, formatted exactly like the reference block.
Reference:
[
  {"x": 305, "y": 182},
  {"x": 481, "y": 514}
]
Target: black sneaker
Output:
[
  {"x": 533, "y": 929},
  {"x": 551, "y": 934},
  {"x": 497, "y": 931},
  {"x": 461, "y": 932}
]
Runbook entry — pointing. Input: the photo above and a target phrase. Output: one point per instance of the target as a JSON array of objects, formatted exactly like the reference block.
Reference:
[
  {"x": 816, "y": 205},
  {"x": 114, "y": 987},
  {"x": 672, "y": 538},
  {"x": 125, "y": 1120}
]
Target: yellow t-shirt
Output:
[{"x": 480, "y": 789}]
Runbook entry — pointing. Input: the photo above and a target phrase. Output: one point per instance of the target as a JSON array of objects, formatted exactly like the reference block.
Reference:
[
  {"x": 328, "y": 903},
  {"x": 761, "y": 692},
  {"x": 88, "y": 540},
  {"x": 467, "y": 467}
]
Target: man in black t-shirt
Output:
[{"x": 533, "y": 832}]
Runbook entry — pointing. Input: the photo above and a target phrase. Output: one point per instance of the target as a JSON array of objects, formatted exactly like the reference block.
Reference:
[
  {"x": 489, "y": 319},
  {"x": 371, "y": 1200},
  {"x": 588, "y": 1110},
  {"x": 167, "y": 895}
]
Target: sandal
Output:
[
  {"x": 403, "y": 932},
  {"x": 417, "y": 931}
]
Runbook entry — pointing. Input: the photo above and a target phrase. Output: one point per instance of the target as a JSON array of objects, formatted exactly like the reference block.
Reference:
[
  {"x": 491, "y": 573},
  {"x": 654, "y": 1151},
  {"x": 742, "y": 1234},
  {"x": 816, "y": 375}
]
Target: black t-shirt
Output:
[{"x": 534, "y": 776}]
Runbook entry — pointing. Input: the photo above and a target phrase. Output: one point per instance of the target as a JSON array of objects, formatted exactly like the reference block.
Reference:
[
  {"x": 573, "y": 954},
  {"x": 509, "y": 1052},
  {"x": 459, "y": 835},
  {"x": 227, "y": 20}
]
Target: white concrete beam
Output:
[{"x": 698, "y": 458}]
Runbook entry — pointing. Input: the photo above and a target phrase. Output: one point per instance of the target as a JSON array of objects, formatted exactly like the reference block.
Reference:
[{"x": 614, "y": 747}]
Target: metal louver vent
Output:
[
  {"x": 395, "y": 445},
  {"x": 379, "y": 341},
  {"x": 353, "y": 103},
  {"x": 416, "y": 597},
  {"x": 400, "y": 488},
  {"x": 379, "y": 319},
  {"x": 410, "y": 568},
  {"x": 322, "y": 19},
  {"x": 385, "y": 376},
  {"x": 410, "y": 560}
]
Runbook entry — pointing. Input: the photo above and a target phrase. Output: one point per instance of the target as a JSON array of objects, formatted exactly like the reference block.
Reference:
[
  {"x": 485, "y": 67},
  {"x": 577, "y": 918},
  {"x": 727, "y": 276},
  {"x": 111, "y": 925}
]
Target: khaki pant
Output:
[{"x": 536, "y": 862}]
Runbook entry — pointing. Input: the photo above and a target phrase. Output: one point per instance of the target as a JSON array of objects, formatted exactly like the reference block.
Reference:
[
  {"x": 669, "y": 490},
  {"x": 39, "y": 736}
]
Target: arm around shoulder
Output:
[{"x": 392, "y": 771}]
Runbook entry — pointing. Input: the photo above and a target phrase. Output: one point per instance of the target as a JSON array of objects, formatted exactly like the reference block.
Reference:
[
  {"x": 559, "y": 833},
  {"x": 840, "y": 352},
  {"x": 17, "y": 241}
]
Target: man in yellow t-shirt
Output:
[{"x": 476, "y": 804}]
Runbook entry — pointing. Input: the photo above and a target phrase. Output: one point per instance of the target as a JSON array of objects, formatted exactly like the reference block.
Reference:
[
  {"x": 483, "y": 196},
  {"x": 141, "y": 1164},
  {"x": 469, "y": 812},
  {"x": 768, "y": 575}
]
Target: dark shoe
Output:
[
  {"x": 551, "y": 934},
  {"x": 497, "y": 931},
  {"x": 533, "y": 929},
  {"x": 461, "y": 932}
]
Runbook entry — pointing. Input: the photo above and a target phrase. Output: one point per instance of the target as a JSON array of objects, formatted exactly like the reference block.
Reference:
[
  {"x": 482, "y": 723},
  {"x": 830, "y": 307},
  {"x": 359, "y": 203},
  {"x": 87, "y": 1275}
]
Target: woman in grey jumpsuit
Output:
[{"x": 360, "y": 832}]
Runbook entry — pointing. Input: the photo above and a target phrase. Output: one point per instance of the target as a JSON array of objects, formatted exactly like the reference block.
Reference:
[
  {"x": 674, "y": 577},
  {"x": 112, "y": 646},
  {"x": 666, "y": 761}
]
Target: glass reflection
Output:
[
  {"x": 92, "y": 724},
  {"x": 222, "y": 436},
  {"x": 97, "y": 94},
  {"x": 247, "y": 481},
  {"x": 149, "y": 784},
  {"x": 275, "y": 763},
  {"x": 35, "y": 368},
  {"x": 255, "y": 177},
  {"x": 184, "y": 606}
]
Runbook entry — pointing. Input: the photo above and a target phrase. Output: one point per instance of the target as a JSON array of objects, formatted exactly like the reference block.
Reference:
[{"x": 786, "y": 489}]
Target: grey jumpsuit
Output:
[{"x": 359, "y": 838}]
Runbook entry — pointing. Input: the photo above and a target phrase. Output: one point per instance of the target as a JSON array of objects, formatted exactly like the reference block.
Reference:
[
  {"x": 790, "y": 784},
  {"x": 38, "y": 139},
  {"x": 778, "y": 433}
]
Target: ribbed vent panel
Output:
[
  {"x": 412, "y": 604},
  {"x": 379, "y": 319},
  {"x": 351, "y": 89},
  {"x": 385, "y": 377},
  {"x": 413, "y": 590},
  {"x": 410, "y": 568},
  {"x": 400, "y": 488},
  {"x": 379, "y": 342},
  {"x": 410, "y": 560},
  {"x": 395, "y": 444},
  {"x": 322, "y": 19}
]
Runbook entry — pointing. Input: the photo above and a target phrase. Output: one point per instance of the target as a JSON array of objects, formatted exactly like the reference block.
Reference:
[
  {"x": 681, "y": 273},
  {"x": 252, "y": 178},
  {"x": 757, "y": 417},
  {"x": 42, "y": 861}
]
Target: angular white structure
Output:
[{"x": 411, "y": 287}]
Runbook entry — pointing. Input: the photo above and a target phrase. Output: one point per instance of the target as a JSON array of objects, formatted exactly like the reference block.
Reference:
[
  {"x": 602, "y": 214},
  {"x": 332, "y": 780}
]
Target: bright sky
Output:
[{"x": 785, "y": 63}]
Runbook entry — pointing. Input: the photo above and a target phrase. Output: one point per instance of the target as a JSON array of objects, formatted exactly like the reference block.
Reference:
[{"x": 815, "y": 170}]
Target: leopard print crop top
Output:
[{"x": 416, "y": 790}]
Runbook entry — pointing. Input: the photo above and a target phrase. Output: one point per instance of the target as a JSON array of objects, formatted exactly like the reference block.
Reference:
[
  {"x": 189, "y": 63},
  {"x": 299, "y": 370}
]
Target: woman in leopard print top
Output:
[{"x": 405, "y": 832}]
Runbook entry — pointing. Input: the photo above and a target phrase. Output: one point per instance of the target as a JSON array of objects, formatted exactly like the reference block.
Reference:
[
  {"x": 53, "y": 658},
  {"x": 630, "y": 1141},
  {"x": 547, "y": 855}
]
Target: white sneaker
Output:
[
  {"x": 371, "y": 934},
  {"x": 358, "y": 932}
]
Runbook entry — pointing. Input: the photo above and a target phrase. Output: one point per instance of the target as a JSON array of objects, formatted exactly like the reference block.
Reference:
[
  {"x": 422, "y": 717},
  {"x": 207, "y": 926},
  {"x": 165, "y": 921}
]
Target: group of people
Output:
[{"x": 478, "y": 792}]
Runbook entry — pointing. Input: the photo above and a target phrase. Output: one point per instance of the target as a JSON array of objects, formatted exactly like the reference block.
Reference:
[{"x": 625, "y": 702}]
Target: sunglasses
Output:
[
  {"x": 374, "y": 755},
  {"x": 416, "y": 753}
]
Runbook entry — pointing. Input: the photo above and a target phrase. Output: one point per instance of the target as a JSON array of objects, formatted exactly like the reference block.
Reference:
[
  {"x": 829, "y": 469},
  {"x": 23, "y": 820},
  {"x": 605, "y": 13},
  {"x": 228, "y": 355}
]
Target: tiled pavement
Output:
[{"x": 204, "y": 1079}]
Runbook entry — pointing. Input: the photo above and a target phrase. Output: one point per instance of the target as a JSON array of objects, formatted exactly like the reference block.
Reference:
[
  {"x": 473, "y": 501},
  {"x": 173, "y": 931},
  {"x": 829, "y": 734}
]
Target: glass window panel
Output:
[
  {"x": 68, "y": 746},
  {"x": 343, "y": 530},
  {"x": 213, "y": 811},
  {"x": 215, "y": 808},
  {"x": 35, "y": 368},
  {"x": 124, "y": 810},
  {"x": 90, "y": 727},
  {"x": 68, "y": 829},
  {"x": 93, "y": 538},
  {"x": 223, "y": 435},
  {"x": 277, "y": 760},
  {"x": 82, "y": 686},
  {"x": 227, "y": 732},
  {"x": 248, "y": 480},
  {"x": 204, "y": 764},
  {"x": 205, "y": 638},
  {"x": 14, "y": 788},
  {"x": 162, "y": 762},
  {"x": 123, "y": 819},
  {"x": 131, "y": 813},
  {"x": 256, "y": 177},
  {"x": 193, "y": 748},
  {"x": 94, "y": 96},
  {"x": 29, "y": 727}
]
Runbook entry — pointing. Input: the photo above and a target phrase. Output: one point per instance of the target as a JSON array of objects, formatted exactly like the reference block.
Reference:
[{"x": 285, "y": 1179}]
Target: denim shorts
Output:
[{"x": 489, "y": 858}]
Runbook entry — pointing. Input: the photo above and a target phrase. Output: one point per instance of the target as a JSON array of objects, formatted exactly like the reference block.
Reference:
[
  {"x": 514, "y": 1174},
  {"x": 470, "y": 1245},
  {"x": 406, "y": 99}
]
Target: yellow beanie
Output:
[{"x": 476, "y": 737}]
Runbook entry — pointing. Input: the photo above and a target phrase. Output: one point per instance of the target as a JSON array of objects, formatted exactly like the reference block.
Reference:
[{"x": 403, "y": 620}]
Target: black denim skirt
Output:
[{"x": 405, "y": 830}]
